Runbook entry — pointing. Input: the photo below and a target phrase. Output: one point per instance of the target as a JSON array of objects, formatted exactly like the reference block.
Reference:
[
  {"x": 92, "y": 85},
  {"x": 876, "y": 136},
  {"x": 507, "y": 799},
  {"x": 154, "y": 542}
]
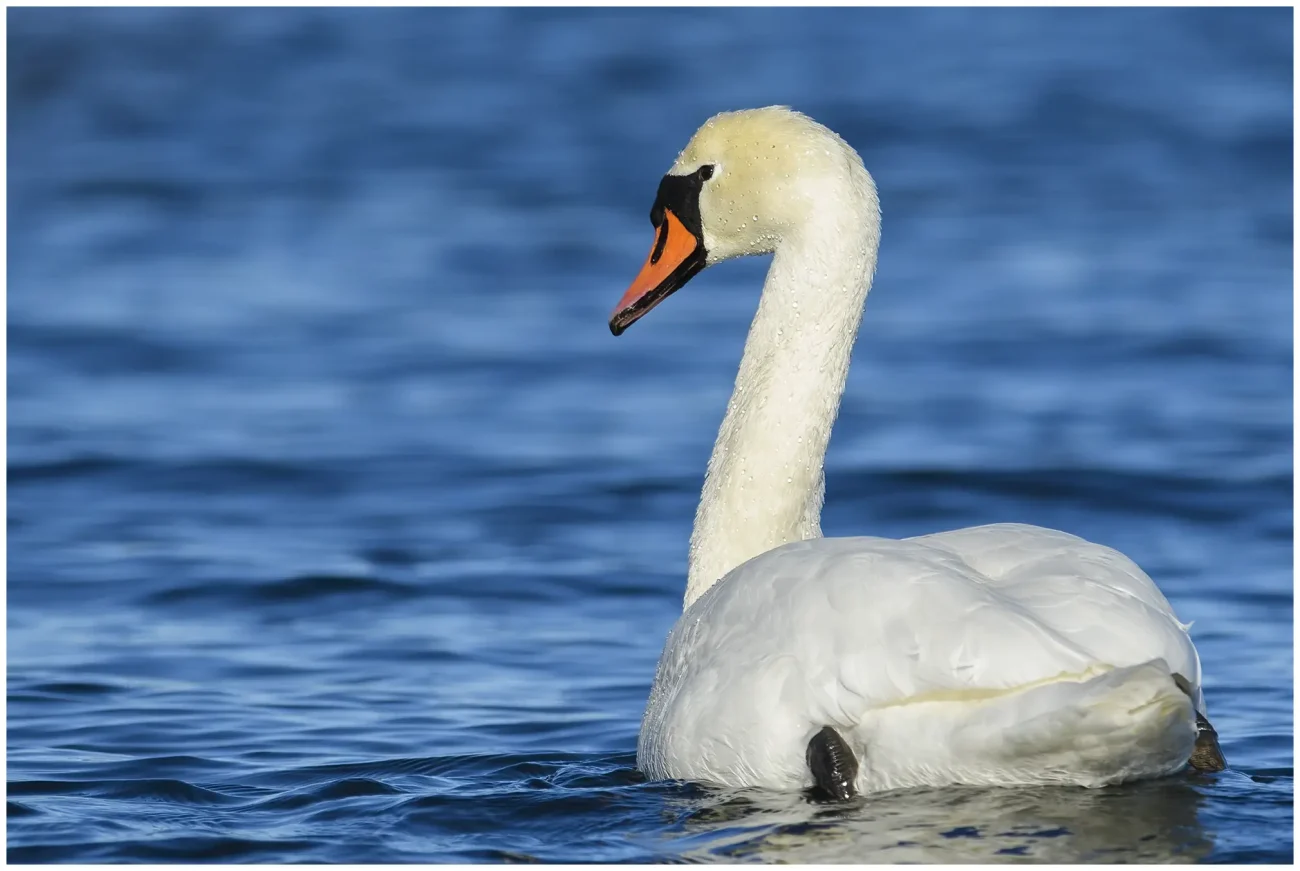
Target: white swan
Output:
[{"x": 1006, "y": 654}]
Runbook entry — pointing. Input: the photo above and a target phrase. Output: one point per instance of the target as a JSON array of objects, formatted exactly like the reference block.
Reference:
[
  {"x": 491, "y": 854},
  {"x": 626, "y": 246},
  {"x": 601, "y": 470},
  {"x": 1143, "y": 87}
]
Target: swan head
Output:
[{"x": 744, "y": 183}]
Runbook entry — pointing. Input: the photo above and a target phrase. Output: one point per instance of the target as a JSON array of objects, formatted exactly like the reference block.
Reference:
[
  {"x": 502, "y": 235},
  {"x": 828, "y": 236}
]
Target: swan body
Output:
[
  {"x": 999, "y": 654},
  {"x": 1003, "y": 654}
]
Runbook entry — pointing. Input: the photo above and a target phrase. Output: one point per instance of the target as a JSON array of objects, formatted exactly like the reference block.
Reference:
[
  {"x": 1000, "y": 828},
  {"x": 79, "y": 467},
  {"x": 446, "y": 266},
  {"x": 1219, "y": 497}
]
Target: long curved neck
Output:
[{"x": 765, "y": 482}]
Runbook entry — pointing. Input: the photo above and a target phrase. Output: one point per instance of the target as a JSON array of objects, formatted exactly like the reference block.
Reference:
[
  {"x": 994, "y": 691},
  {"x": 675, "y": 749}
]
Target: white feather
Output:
[{"x": 933, "y": 670}]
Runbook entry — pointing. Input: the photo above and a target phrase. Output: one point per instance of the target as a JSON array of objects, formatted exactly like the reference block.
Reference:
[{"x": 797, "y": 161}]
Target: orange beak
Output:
[{"x": 676, "y": 256}]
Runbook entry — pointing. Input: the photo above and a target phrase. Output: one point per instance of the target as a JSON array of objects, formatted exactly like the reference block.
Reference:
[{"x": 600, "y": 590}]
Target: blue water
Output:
[{"x": 341, "y": 529}]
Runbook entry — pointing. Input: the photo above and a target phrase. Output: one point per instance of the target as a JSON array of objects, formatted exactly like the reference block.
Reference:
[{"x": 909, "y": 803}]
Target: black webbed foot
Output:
[
  {"x": 1206, "y": 755},
  {"x": 833, "y": 767}
]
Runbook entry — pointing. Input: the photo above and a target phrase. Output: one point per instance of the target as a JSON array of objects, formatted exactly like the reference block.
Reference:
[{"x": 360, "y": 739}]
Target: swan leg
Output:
[
  {"x": 1206, "y": 755},
  {"x": 833, "y": 766}
]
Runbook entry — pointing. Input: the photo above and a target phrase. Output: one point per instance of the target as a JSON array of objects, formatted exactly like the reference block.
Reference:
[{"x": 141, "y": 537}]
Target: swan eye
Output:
[{"x": 706, "y": 171}]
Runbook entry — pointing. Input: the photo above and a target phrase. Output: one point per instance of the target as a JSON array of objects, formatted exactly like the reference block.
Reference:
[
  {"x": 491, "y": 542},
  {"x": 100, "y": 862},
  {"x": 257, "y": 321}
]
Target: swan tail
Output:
[{"x": 1120, "y": 725}]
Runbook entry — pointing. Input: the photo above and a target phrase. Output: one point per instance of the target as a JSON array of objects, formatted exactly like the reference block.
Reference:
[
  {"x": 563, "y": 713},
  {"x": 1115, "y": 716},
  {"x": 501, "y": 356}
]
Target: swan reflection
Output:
[{"x": 1154, "y": 821}]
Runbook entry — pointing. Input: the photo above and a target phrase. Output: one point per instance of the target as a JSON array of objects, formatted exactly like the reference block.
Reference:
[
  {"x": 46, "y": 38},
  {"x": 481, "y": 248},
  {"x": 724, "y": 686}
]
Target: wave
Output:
[{"x": 296, "y": 589}]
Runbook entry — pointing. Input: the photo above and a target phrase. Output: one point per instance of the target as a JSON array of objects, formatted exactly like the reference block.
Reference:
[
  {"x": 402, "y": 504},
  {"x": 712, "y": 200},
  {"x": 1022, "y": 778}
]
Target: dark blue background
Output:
[{"x": 340, "y": 528}]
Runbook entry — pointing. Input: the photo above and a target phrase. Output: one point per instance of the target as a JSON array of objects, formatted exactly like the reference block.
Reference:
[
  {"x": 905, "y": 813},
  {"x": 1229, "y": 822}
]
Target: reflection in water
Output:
[{"x": 1146, "y": 822}]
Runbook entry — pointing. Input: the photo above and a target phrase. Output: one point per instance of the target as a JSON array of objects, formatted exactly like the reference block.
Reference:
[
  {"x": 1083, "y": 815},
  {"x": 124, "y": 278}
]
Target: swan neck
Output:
[{"x": 765, "y": 484}]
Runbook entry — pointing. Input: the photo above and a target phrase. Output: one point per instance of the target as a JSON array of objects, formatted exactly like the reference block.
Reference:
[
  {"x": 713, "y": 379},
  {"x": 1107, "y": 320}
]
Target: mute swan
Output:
[{"x": 1003, "y": 654}]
